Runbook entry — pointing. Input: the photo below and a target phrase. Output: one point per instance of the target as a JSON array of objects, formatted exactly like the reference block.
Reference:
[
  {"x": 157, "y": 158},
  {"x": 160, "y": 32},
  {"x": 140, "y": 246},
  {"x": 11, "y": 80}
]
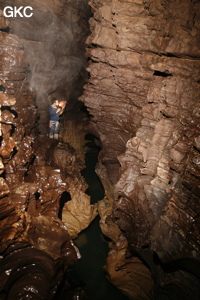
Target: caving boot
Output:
[
  {"x": 51, "y": 136},
  {"x": 56, "y": 136}
]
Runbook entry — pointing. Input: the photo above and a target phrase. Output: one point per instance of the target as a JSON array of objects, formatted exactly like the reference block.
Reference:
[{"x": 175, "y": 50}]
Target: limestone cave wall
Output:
[
  {"x": 143, "y": 97},
  {"x": 53, "y": 41},
  {"x": 36, "y": 228}
]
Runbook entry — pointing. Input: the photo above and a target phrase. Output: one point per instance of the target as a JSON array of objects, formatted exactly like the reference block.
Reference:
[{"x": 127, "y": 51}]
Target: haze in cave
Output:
[{"x": 123, "y": 178}]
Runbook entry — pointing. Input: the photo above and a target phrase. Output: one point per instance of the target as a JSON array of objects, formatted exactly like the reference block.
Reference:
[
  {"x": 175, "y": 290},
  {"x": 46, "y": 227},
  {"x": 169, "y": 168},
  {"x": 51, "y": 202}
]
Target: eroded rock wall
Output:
[
  {"x": 143, "y": 95},
  {"x": 53, "y": 40},
  {"x": 35, "y": 245}
]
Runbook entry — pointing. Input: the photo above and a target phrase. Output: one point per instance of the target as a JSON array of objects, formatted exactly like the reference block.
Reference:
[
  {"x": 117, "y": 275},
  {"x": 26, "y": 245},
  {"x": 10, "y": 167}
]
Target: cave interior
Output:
[{"x": 110, "y": 208}]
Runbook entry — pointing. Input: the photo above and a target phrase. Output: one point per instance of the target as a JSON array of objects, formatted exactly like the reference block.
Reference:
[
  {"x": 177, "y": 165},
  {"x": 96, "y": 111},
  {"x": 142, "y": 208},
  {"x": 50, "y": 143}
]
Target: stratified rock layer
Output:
[{"x": 143, "y": 95}]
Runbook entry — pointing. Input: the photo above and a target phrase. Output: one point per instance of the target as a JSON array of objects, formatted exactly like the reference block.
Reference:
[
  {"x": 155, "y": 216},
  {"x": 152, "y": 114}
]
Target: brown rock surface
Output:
[
  {"x": 143, "y": 99},
  {"x": 143, "y": 96},
  {"x": 53, "y": 40},
  {"x": 35, "y": 245}
]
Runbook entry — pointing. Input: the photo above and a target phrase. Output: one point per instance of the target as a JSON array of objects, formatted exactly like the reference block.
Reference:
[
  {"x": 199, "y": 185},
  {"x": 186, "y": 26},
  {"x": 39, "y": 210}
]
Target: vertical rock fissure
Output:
[
  {"x": 88, "y": 272},
  {"x": 143, "y": 97}
]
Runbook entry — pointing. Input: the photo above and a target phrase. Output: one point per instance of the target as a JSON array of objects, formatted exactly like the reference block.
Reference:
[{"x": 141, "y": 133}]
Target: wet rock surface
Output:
[
  {"x": 24, "y": 270},
  {"x": 143, "y": 96},
  {"x": 143, "y": 99},
  {"x": 36, "y": 247}
]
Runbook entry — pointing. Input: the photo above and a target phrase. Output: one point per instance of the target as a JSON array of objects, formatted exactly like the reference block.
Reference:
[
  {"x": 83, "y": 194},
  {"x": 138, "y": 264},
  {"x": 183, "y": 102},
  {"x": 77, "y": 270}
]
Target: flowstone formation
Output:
[
  {"x": 143, "y": 99},
  {"x": 143, "y": 95},
  {"x": 36, "y": 246}
]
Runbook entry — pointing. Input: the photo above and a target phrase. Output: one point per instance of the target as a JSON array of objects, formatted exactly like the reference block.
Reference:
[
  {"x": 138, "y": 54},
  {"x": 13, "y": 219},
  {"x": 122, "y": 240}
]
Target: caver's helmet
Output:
[{"x": 62, "y": 104}]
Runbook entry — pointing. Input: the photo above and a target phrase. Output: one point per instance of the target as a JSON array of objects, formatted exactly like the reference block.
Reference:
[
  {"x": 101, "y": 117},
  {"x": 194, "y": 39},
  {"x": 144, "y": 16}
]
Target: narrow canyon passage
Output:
[
  {"x": 92, "y": 244},
  {"x": 109, "y": 207}
]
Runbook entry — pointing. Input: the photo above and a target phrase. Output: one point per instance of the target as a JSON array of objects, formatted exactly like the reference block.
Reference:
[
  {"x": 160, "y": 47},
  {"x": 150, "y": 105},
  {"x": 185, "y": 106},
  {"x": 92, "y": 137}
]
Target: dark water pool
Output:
[{"x": 91, "y": 243}]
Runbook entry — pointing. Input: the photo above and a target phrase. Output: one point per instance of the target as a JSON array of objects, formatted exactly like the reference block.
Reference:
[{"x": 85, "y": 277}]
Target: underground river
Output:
[{"x": 91, "y": 242}]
